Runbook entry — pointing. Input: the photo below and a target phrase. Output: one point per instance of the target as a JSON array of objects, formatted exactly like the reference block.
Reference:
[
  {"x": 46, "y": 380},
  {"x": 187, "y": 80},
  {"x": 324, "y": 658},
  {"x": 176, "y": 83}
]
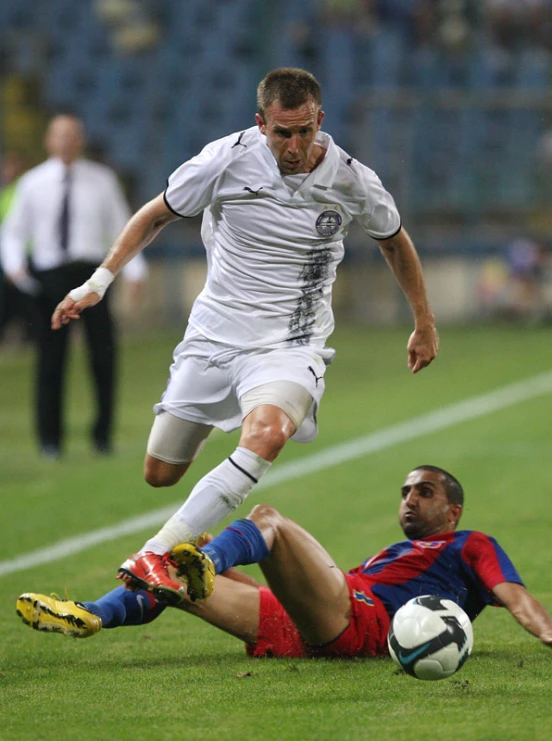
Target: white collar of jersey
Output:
[{"x": 323, "y": 176}]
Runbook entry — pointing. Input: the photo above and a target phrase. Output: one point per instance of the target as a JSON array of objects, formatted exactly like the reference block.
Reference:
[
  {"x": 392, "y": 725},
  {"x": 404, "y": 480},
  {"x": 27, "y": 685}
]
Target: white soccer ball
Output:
[{"x": 430, "y": 637}]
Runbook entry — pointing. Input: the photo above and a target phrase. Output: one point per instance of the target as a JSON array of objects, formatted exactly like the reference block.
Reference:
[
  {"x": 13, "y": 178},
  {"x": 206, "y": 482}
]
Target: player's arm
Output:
[
  {"x": 401, "y": 256},
  {"x": 16, "y": 235},
  {"x": 140, "y": 230},
  {"x": 526, "y": 609}
]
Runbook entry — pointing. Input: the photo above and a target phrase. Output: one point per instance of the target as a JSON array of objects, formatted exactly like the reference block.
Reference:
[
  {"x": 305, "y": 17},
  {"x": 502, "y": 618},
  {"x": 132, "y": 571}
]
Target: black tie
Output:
[{"x": 64, "y": 216}]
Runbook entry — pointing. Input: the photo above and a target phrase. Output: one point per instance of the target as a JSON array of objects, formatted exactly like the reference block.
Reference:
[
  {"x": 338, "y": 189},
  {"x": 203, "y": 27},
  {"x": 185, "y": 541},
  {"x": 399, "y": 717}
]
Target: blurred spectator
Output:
[
  {"x": 70, "y": 209},
  {"x": 11, "y": 168},
  {"x": 14, "y": 304},
  {"x": 134, "y": 24},
  {"x": 527, "y": 260},
  {"x": 414, "y": 19},
  {"x": 514, "y": 23},
  {"x": 544, "y": 170},
  {"x": 456, "y": 24},
  {"x": 515, "y": 286},
  {"x": 492, "y": 288}
]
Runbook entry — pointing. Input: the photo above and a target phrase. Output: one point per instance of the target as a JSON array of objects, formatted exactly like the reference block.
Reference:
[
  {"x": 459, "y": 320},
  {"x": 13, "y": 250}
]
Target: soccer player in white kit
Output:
[{"x": 277, "y": 201}]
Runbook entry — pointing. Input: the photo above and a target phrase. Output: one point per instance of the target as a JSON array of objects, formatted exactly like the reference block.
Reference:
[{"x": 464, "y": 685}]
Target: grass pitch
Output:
[{"x": 179, "y": 678}]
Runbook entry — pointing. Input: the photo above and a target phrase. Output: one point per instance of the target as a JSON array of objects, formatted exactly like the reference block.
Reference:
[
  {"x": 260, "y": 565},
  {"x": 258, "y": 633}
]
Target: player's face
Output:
[
  {"x": 65, "y": 138},
  {"x": 290, "y": 136},
  {"x": 424, "y": 508}
]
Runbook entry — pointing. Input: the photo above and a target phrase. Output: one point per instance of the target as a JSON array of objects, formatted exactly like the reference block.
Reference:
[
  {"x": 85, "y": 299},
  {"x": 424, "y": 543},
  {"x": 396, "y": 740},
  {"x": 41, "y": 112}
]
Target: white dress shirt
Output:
[{"x": 98, "y": 212}]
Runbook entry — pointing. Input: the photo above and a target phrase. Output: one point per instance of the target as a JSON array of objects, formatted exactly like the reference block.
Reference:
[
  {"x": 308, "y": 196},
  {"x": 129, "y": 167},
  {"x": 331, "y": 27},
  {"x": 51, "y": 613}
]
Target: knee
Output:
[
  {"x": 265, "y": 516},
  {"x": 159, "y": 474},
  {"x": 158, "y": 480},
  {"x": 267, "y": 440}
]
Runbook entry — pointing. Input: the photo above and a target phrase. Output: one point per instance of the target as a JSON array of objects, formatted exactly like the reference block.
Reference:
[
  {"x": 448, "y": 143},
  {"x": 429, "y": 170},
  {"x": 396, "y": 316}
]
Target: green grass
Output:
[{"x": 179, "y": 678}]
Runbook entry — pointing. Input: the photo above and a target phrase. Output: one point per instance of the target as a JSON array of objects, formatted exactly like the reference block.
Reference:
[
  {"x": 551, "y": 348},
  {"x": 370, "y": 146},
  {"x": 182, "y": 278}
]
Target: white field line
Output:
[{"x": 473, "y": 408}]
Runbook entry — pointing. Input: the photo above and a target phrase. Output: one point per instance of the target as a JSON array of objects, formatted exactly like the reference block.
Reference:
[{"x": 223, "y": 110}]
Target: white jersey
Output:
[{"x": 273, "y": 242}]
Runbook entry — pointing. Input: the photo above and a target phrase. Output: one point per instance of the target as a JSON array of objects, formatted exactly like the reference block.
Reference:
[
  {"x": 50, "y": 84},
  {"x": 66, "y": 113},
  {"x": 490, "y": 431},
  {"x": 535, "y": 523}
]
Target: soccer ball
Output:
[{"x": 430, "y": 637}]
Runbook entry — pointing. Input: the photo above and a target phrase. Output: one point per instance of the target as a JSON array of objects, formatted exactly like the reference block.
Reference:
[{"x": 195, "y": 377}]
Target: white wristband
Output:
[{"x": 98, "y": 283}]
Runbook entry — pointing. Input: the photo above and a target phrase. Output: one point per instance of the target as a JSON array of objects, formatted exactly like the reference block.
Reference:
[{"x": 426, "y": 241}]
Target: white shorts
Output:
[
  {"x": 175, "y": 440},
  {"x": 208, "y": 380}
]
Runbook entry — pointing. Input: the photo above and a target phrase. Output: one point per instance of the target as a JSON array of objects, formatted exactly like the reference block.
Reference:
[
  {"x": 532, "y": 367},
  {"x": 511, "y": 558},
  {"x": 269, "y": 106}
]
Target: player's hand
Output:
[
  {"x": 25, "y": 282},
  {"x": 423, "y": 346},
  {"x": 68, "y": 309}
]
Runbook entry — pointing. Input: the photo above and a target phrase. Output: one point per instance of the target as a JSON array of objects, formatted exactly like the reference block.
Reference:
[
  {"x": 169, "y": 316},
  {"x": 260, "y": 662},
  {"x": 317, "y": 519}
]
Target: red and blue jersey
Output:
[{"x": 463, "y": 566}]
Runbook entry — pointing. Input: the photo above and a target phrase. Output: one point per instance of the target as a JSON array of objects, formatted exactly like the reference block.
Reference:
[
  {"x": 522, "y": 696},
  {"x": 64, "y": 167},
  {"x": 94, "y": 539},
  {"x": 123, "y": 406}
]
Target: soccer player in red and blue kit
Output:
[{"x": 311, "y": 607}]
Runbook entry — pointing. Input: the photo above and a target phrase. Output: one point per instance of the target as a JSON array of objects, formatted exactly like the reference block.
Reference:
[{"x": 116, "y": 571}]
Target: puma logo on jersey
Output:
[
  {"x": 239, "y": 142},
  {"x": 254, "y": 192},
  {"x": 317, "y": 378}
]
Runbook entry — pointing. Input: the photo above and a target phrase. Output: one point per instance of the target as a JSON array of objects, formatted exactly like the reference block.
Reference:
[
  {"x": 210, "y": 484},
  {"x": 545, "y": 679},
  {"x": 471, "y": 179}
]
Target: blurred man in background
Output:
[
  {"x": 15, "y": 305},
  {"x": 278, "y": 199},
  {"x": 66, "y": 212}
]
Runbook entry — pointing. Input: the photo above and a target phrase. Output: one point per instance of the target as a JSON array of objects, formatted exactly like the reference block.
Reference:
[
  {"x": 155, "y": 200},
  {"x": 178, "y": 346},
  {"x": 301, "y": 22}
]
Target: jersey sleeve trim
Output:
[
  {"x": 390, "y": 236},
  {"x": 168, "y": 205}
]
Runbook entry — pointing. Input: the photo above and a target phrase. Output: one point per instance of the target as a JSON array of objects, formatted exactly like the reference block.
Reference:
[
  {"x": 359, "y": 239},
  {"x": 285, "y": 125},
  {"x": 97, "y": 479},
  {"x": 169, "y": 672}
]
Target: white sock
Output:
[{"x": 214, "y": 497}]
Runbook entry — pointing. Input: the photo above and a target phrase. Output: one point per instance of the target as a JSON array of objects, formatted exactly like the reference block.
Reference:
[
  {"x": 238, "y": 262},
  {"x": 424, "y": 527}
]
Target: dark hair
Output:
[
  {"x": 290, "y": 86},
  {"x": 453, "y": 488}
]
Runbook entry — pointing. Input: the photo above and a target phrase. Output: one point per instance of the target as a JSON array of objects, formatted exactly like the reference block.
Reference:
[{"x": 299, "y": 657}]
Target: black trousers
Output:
[
  {"x": 52, "y": 356},
  {"x": 15, "y": 307}
]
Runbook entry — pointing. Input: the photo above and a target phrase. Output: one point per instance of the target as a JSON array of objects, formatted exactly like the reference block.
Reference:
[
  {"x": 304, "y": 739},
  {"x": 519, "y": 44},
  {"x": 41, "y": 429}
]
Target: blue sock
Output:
[
  {"x": 239, "y": 544},
  {"x": 123, "y": 607}
]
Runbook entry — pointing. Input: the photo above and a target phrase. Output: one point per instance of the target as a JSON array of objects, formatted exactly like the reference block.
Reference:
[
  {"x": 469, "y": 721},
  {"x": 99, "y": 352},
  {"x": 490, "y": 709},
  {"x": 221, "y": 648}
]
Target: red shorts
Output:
[{"x": 366, "y": 634}]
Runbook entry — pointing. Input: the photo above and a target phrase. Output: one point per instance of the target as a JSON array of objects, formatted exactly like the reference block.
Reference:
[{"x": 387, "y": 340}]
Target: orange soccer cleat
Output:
[{"x": 150, "y": 571}]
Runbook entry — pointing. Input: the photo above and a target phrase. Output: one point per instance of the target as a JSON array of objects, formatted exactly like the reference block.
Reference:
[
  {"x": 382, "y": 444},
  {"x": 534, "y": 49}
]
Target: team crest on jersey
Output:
[
  {"x": 361, "y": 597},
  {"x": 328, "y": 223},
  {"x": 430, "y": 543}
]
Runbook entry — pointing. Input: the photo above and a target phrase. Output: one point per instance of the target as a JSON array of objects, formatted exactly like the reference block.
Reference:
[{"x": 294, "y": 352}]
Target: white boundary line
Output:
[{"x": 473, "y": 408}]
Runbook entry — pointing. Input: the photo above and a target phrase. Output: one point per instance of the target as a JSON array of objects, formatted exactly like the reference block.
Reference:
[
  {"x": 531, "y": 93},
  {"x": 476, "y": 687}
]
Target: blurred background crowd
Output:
[{"x": 448, "y": 100}]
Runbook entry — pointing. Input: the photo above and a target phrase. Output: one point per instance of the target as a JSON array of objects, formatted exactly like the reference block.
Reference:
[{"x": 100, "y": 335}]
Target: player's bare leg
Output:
[
  {"x": 300, "y": 572},
  {"x": 173, "y": 445},
  {"x": 265, "y": 431},
  {"x": 159, "y": 473},
  {"x": 233, "y": 607},
  {"x": 303, "y": 576}
]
